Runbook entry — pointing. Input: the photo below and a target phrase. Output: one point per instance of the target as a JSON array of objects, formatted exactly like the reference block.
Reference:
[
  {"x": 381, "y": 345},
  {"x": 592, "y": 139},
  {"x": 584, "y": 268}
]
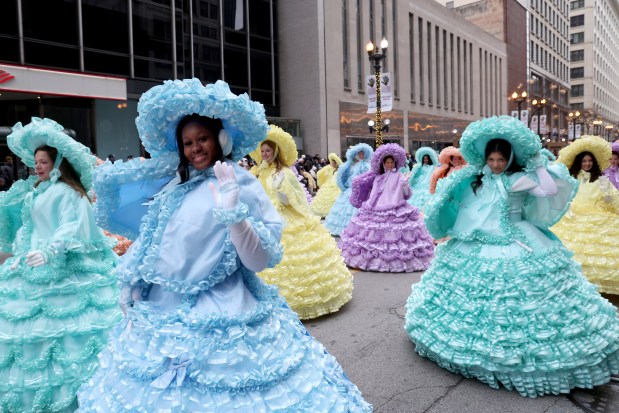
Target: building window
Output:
[
  {"x": 411, "y": 42},
  {"x": 360, "y": 50},
  {"x": 577, "y": 90},
  {"x": 345, "y": 57},
  {"x": 577, "y": 38},
  {"x": 577, "y": 72},
  {"x": 577, "y": 4},
  {"x": 420, "y": 62},
  {"x": 430, "y": 77},
  {"x": 577, "y": 55},
  {"x": 576, "y": 21},
  {"x": 578, "y": 106}
]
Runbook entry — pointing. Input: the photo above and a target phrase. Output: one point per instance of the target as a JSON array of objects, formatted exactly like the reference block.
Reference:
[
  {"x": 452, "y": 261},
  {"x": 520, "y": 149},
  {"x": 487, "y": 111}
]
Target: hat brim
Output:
[
  {"x": 285, "y": 143},
  {"x": 600, "y": 149}
]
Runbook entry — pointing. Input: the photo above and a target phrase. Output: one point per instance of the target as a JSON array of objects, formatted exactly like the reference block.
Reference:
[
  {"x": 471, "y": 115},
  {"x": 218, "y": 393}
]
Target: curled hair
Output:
[
  {"x": 504, "y": 148},
  {"x": 213, "y": 125},
  {"x": 68, "y": 175},
  {"x": 577, "y": 166}
]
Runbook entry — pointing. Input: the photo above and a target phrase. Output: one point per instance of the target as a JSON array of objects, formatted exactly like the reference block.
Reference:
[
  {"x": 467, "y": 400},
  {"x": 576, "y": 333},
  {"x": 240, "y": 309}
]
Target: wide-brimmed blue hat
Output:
[
  {"x": 360, "y": 147},
  {"x": 524, "y": 142},
  {"x": 426, "y": 150},
  {"x": 24, "y": 140},
  {"x": 162, "y": 107}
]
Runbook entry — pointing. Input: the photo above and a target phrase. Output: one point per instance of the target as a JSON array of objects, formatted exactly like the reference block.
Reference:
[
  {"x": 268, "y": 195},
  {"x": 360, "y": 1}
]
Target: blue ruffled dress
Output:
[
  {"x": 503, "y": 300},
  {"x": 419, "y": 182},
  {"x": 54, "y": 319},
  {"x": 209, "y": 336},
  {"x": 342, "y": 210}
]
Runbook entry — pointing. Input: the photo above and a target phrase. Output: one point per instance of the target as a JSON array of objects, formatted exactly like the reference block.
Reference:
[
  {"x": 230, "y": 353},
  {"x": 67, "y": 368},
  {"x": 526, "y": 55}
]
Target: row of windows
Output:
[
  {"x": 548, "y": 37},
  {"x": 548, "y": 61},
  {"x": 577, "y": 21}
]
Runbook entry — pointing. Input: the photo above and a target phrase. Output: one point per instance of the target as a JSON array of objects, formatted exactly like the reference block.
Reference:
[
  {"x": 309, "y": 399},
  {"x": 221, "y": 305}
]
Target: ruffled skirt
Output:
[
  {"x": 340, "y": 214},
  {"x": 392, "y": 240},
  {"x": 593, "y": 238},
  {"x": 182, "y": 360},
  {"x": 311, "y": 276},
  {"x": 420, "y": 197},
  {"x": 54, "y": 320},
  {"x": 325, "y": 198},
  {"x": 518, "y": 315}
]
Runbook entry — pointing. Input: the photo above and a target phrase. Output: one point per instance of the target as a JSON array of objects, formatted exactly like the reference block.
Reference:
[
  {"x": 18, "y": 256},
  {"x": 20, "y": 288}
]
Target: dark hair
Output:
[
  {"x": 68, "y": 175},
  {"x": 504, "y": 148},
  {"x": 382, "y": 164},
  {"x": 213, "y": 125},
  {"x": 429, "y": 159},
  {"x": 577, "y": 166}
]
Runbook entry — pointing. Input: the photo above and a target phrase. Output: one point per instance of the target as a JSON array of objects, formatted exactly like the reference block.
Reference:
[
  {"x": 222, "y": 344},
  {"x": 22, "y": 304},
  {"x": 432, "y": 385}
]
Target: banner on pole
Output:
[{"x": 386, "y": 99}]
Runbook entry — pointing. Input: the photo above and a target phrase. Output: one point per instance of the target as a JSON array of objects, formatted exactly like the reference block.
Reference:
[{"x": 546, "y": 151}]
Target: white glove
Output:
[
  {"x": 16, "y": 263},
  {"x": 604, "y": 184},
  {"x": 228, "y": 186},
  {"x": 36, "y": 258},
  {"x": 283, "y": 198},
  {"x": 128, "y": 295}
]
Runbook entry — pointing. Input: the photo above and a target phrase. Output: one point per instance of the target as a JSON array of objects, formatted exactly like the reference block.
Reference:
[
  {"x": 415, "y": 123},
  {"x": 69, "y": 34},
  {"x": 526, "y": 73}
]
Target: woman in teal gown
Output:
[
  {"x": 419, "y": 181},
  {"x": 503, "y": 300},
  {"x": 58, "y": 295}
]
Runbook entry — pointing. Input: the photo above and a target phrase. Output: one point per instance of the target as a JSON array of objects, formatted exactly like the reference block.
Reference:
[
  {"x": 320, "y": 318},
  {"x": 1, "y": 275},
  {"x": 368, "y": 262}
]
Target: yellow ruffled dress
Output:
[
  {"x": 312, "y": 275},
  {"x": 328, "y": 192},
  {"x": 591, "y": 230}
]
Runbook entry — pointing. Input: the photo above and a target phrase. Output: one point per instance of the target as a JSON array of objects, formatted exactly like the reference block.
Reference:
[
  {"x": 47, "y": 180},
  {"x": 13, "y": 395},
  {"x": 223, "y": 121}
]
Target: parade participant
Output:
[
  {"x": 612, "y": 172},
  {"x": 329, "y": 191},
  {"x": 503, "y": 300},
  {"x": 357, "y": 162},
  {"x": 419, "y": 181},
  {"x": 450, "y": 160},
  {"x": 312, "y": 276},
  {"x": 202, "y": 333},
  {"x": 591, "y": 227},
  {"x": 387, "y": 234},
  {"x": 58, "y": 295}
]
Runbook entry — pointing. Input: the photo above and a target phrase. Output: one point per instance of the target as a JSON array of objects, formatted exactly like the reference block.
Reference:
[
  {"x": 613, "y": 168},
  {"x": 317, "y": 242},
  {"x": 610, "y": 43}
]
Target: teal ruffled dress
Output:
[
  {"x": 503, "y": 300},
  {"x": 54, "y": 319}
]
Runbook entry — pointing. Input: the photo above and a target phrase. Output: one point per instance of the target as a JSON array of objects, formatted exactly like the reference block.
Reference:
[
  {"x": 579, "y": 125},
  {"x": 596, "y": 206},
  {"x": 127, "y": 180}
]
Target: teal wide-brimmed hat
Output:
[
  {"x": 162, "y": 107},
  {"x": 24, "y": 140},
  {"x": 524, "y": 142},
  {"x": 423, "y": 151}
]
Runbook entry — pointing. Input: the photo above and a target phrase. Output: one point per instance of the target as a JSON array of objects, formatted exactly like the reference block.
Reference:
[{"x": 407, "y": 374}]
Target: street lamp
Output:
[
  {"x": 572, "y": 116},
  {"x": 538, "y": 104},
  {"x": 519, "y": 98},
  {"x": 375, "y": 54},
  {"x": 384, "y": 128}
]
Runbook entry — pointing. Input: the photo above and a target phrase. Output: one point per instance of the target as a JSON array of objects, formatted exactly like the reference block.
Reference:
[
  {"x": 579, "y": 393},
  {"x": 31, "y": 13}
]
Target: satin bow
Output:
[{"x": 177, "y": 369}]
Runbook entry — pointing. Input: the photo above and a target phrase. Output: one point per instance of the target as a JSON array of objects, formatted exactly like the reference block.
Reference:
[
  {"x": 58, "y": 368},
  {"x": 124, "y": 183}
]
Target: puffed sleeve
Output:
[
  {"x": 294, "y": 193},
  {"x": 11, "y": 203}
]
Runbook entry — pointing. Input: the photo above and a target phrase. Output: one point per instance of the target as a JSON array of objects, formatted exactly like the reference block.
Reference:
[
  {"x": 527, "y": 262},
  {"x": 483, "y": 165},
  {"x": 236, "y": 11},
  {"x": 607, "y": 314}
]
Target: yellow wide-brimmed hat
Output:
[
  {"x": 287, "y": 149},
  {"x": 587, "y": 143}
]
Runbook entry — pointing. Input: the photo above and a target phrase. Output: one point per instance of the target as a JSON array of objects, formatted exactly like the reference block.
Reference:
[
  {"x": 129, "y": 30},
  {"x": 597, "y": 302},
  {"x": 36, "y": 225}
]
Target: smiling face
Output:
[
  {"x": 389, "y": 163},
  {"x": 587, "y": 163},
  {"x": 497, "y": 162},
  {"x": 426, "y": 160},
  {"x": 267, "y": 152},
  {"x": 614, "y": 160},
  {"x": 200, "y": 146},
  {"x": 360, "y": 156},
  {"x": 456, "y": 160},
  {"x": 43, "y": 165}
]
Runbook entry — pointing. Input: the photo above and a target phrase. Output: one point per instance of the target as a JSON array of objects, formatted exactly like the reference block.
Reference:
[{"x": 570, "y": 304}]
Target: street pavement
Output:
[{"x": 367, "y": 337}]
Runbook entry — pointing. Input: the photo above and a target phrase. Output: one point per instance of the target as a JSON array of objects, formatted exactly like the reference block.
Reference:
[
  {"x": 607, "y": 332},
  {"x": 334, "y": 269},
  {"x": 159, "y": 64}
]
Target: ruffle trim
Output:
[{"x": 228, "y": 217}]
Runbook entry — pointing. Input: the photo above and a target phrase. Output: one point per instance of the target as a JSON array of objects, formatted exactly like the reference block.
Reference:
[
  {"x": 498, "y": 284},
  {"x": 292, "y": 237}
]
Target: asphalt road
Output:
[{"x": 368, "y": 338}]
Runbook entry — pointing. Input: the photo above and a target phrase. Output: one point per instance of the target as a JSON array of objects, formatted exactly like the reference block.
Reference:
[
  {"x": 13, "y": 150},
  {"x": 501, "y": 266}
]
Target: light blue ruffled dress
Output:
[
  {"x": 503, "y": 301},
  {"x": 208, "y": 335},
  {"x": 54, "y": 319}
]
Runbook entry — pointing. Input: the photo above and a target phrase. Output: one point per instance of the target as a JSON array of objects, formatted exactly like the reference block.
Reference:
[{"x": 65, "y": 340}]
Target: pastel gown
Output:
[
  {"x": 208, "y": 335},
  {"x": 503, "y": 300},
  {"x": 590, "y": 230},
  {"x": 312, "y": 276},
  {"x": 54, "y": 319},
  {"x": 327, "y": 193},
  {"x": 387, "y": 234},
  {"x": 419, "y": 182},
  {"x": 612, "y": 173},
  {"x": 342, "y": 210}
]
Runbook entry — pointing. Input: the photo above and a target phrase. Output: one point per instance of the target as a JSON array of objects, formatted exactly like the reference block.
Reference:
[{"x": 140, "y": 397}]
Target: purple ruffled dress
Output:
[{"x": 387, "y": 234}]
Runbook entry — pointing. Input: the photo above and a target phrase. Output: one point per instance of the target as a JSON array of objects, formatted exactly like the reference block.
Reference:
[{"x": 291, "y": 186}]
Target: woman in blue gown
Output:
[
  {"x": 503, "y": 300},
  {"x": 58, "y": 295},
  {"x": 419, "y": 181},
  {"x": 357, "y": 162},
  {"x": 202, "y": 333}
]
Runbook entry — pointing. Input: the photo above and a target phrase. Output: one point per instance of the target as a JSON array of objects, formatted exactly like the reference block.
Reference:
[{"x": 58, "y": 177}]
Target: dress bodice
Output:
[{"x": 387, "y": 191}]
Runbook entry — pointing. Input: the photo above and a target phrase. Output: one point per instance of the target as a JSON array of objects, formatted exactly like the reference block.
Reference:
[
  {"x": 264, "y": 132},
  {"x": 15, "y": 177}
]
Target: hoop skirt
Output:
[
  {"x": 208, "y": 335},
  {"x": 590, "y": 230},
  {"x": 54, "y": 319},
  {"x": 342, "y": 210},
  {"x": 504, "y": 302},
  {"x": 420, "y": 185},
  {"x": 387, "y": 234},
  {"x": 311, "y": 276},
  {"x": 327, "y": 194}
]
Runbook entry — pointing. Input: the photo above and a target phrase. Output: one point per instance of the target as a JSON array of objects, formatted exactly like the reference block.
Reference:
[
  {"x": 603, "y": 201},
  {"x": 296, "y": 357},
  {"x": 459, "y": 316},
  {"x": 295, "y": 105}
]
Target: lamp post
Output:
[
  {"x": 519, "y": 98},
  {"x": 538, "y": 104},
  {"x": 572, "y": 116},
  {"x": 375, "y": 54}
]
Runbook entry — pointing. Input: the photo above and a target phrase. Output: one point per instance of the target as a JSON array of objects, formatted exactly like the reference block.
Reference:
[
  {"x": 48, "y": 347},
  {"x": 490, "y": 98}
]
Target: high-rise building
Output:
[
  {"x": 85, "y": 63},
  {"x": 445, "y": 71},
  {"x": 594, "y": 65}
]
